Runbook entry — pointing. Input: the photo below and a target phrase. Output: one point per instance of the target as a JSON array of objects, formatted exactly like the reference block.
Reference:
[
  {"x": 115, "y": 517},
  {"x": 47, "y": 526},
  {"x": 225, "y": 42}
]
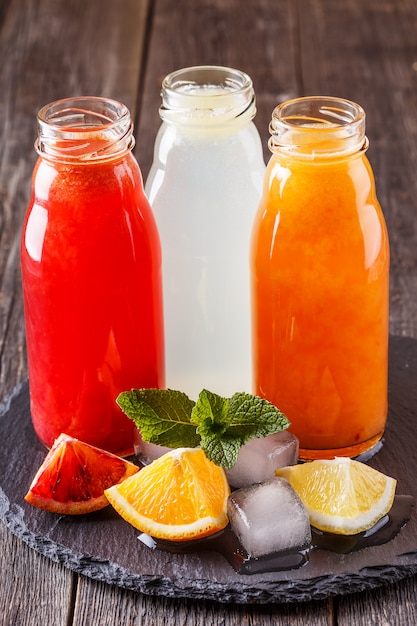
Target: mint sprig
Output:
[{"x": 220, "y": 426}]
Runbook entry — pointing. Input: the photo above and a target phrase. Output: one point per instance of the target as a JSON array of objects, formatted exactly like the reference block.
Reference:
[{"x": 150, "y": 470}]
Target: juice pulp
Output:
[
  {"x": 91, "y": 262},
  {"x": 320, "y": 262}
]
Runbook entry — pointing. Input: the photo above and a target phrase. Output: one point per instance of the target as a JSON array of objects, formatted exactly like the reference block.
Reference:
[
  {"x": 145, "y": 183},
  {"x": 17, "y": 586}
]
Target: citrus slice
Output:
[
  {"x": 341, "y": 495},
  {"x": 180, "y": 496},
  {"x": 73, "y": 477}
]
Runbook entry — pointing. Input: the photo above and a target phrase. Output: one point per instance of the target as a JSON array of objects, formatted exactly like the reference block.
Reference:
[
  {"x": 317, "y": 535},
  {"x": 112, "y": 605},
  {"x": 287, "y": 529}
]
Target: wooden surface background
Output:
[{"x": 364, "y": 50}]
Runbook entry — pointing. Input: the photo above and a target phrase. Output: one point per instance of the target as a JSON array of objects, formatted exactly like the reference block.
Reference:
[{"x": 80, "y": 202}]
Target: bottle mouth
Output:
[
  {"x": 84, "y": 129},
  {"x": 209, "y": 93},
  {"x": 318, "y": 126}
]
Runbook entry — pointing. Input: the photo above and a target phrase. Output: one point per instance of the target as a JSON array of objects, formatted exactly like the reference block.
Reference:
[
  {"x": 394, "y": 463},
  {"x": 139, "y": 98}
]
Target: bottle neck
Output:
[
  {"x": 317, "y": 128},
  {"x": 84, "y": 130},
  {"x": 208, "y": 97}
]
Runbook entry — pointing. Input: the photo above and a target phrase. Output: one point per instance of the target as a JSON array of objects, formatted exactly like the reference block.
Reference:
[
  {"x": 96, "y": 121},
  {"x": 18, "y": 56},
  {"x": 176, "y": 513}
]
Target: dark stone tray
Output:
[{"x": 104, "y": 547}]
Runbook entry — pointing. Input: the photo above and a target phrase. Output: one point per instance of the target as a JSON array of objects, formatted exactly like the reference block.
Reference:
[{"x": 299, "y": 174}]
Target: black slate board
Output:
[{"x": 106, "y": 548}]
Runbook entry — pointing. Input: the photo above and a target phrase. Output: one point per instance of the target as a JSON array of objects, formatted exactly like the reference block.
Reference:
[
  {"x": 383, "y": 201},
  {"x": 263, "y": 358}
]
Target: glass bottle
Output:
[
  {"x": 204, "y": 187},
  {"x": 319, "y": 272},
  {"x": 91, "y": 269}
]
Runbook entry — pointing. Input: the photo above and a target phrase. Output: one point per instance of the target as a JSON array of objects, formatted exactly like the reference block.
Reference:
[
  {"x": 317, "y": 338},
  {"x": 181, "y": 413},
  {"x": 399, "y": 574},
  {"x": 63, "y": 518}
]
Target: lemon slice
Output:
[
  {"x": 180, "y": 496},
  {"x": 341, "y": 495}
]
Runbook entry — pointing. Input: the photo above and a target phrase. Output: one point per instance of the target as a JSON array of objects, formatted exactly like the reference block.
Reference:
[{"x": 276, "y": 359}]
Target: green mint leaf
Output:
[
  {"x": 211, "y": 414},
  {"x": 225, "y": 425},
  {"x": 252, "y": 417},
  {"x": 222, "y": 451},
  {"x": 163, "y": 416}
]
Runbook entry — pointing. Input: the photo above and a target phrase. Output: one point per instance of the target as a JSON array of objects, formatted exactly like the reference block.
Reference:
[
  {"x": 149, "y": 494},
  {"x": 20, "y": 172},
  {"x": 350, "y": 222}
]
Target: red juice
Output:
[{"x": 91, "y": 269}]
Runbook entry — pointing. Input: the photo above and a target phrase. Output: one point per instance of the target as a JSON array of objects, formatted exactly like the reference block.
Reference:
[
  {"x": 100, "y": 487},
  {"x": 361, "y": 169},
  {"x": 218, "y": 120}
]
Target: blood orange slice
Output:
[{"x": 74, "y": 475}]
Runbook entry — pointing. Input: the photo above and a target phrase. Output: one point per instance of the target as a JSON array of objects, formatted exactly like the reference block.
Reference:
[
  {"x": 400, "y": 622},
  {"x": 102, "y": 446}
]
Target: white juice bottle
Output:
[{"x": 204, "y": 186}]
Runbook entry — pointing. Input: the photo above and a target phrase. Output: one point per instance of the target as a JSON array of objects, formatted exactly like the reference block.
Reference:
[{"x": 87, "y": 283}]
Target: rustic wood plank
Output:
[
  {"x": 118, "y": 606},
  {"x": 393, "y": 606},
  {"x": 33, "y": 589}
]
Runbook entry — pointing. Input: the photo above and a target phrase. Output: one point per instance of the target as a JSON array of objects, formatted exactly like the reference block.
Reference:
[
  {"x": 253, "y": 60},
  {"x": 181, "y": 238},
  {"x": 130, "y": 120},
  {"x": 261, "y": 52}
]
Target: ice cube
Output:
[
  {"x": 269, "y": 517},
  {"x": 259, "y": 458}
]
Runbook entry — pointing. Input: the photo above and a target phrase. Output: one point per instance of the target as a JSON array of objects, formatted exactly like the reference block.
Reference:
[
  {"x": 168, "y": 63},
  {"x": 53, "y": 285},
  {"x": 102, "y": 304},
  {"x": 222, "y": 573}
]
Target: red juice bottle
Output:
[{"x": 91, "y": 271}]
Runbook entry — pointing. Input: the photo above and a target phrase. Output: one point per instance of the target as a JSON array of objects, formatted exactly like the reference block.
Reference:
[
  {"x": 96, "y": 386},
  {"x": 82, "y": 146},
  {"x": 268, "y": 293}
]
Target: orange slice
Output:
[
  {"x": 341, "y": 495},
  {"x": 180, "y": 496},
  {"x": 73, "y": 477}
]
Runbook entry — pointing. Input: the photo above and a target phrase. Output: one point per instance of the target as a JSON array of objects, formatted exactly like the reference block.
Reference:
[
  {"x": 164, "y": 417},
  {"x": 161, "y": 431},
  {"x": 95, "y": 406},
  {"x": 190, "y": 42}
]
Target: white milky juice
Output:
[{"x": 204, "y": 186}]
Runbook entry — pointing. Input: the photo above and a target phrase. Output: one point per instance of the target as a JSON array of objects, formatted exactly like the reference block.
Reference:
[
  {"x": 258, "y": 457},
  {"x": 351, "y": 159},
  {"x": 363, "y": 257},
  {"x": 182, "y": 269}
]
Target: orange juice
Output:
[{"x": 319, "y": 265}]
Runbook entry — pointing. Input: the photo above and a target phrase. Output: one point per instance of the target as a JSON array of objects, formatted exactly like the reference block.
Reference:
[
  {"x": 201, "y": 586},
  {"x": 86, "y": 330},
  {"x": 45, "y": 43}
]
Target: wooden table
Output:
[{"x": 362, "y": 50}]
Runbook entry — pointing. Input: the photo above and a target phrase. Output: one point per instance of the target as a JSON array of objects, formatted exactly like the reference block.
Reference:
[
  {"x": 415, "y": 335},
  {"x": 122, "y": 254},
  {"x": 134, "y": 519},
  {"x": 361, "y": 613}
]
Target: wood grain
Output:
[
  {"x": 394, "y": 605},
  {"x": 24, "y": 572},
  {"x": 121, "y": 607}
]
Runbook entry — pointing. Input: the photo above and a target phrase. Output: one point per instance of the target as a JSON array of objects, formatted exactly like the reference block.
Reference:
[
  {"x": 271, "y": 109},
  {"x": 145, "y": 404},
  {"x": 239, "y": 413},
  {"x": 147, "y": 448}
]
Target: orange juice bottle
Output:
[{"x": 319, "y": 279}]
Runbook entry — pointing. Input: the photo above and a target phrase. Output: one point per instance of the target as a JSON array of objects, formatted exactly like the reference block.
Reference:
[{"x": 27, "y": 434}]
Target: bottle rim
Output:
[
  {"x": 84, "y": 128},
  {"x": 318, "y": 126},
  {"x": 212, "y": 94}
]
